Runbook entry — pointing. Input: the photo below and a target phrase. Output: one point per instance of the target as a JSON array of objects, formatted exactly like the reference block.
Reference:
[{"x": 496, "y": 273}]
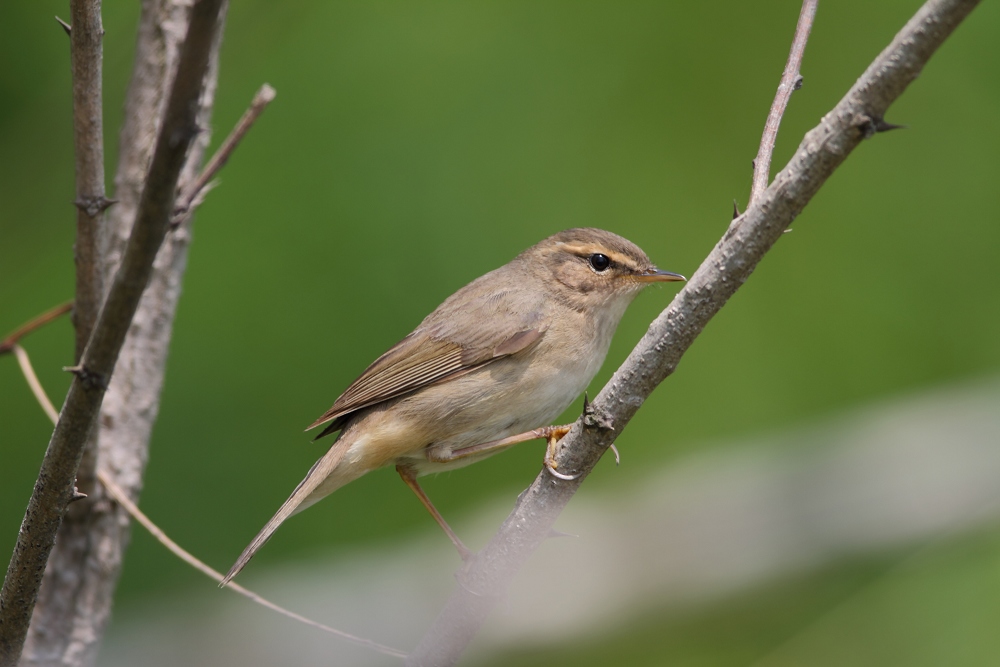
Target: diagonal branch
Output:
[
  {"x": 54, "y": 487},
  {"x": 8, "y": 343},
  {"x": 791, "y": 81},
  {"x": 856, "y": 117},
  {"x": 34, "y": 384},
  {"x": 122, "y": 498},
  {"x": 193, "y": 195}
]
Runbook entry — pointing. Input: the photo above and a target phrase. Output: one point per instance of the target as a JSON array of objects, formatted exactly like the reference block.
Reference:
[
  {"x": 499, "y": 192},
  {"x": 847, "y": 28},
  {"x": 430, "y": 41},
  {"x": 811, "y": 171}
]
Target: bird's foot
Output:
[{"x": 554, "y": 434}]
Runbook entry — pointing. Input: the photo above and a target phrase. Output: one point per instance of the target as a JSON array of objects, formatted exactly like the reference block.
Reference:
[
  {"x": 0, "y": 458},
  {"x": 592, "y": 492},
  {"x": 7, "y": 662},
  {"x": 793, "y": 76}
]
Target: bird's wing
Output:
[{"x": 441, "y": 349}]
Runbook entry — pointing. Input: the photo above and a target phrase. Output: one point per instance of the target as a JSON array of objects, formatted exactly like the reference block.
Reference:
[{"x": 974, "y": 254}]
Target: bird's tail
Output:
[{"x": 325, "y": 477}]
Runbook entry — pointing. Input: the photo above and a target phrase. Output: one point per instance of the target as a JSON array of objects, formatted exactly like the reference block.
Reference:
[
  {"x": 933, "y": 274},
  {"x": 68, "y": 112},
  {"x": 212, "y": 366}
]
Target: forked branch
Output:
[
  {"x": 122, "y": 498},
  {"x": 791, "y": 80},
  {"x": 54, "y": 488},
  {"x": 193, "y": 195},
  {"x": 856, "y": 117}
]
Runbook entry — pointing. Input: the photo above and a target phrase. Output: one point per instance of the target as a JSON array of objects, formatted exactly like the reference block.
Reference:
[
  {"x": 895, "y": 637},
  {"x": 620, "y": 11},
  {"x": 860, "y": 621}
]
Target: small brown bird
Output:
[{"x": 506, "y": 353}]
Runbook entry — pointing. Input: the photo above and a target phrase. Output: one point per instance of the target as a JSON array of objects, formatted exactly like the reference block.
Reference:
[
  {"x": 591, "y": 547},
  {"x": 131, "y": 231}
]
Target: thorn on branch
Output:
[
  {"x": 618, "y": 458},
  {"x": 883, "y": 126},
  {"x": 65, "y": 26},
  {"x": 736, "y": 210},
  {"x": 77, "y": 495},
  {"x": 182, "y": 135},
  {"x": 600, "y": 420},
  {"x": 93, "y": 206},
  {"x": 558, "y": 533},
  {"x": 89, "y": 379},
  {"x": 872, "y": 125}
]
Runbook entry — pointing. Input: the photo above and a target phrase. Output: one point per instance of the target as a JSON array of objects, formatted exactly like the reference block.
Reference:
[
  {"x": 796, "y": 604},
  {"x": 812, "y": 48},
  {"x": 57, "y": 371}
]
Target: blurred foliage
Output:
[
  {"x": 415, "y": 146},
  {"x": 866, "y": 613}
]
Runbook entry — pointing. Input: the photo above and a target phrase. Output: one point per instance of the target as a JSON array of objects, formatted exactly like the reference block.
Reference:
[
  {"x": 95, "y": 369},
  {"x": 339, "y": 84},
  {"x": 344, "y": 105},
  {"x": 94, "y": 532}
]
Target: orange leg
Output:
[
  {"x": 551, "y": 433},
  {"x": 409, "y": 476}
]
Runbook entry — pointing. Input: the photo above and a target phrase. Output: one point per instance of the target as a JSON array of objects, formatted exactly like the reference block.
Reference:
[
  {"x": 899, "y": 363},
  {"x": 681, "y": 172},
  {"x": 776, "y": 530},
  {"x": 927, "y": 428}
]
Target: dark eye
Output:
[{"x": 600, "y": 262}]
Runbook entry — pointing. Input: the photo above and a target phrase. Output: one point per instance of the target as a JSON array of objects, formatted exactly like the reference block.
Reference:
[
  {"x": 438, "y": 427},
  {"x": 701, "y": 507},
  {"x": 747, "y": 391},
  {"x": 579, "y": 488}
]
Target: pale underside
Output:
[{"x": 507, "y": 385}]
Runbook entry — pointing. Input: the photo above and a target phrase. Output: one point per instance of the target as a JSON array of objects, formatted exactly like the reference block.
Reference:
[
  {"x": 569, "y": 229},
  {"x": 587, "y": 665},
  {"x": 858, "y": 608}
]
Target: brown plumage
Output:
[{"x": 506, "y": 353}]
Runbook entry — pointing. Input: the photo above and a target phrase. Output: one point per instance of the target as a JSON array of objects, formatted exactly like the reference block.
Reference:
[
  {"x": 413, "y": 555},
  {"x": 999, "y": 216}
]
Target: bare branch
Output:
[
  {"x": 483, "y": 581},
  {"x": 54, "y": 487},
  {"x": 36, "y": 387},
  {"x": 86, "y": 40},
  {"x": 121, "y": 497},
  {"x": 75, "y": 601},
  {"x": 791, "y": 81},
  {"x": 8, "y": 343},
  {"x": 193, "y": 194}
]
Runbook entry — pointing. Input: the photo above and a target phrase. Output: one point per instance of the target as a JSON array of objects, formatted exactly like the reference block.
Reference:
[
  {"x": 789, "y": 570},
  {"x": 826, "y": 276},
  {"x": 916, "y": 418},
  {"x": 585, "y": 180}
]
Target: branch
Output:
[
  {"x": 54, "y": 487},
  {"x": 75, "y": 601},
  {"x": 856, "y": 117},
  {"x": 121, "y": 497},
  {"x": 193, "y": 195},
  {"x": 88, "y": 136},
  {"x": 8, "y": 343},
  {"x": 791, "y": 81},
  {"x": 33, "y": 383}
]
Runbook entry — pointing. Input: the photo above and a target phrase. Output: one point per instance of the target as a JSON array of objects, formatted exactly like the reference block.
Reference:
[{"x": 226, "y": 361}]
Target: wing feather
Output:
[{"x": 439, "y": 350}]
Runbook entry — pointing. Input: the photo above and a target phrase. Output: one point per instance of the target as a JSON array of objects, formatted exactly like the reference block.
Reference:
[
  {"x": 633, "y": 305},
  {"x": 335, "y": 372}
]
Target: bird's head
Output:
[{"x": 589, "y": 268}]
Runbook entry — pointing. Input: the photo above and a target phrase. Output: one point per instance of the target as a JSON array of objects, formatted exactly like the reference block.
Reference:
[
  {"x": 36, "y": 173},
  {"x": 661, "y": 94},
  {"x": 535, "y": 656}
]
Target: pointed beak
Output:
[{"x": 655, "y": 275}]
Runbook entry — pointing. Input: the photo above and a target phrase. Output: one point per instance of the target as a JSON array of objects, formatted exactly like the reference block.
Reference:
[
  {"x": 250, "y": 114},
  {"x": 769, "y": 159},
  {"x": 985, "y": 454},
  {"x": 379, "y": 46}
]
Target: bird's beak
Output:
[{"x": 655, "y": 275}]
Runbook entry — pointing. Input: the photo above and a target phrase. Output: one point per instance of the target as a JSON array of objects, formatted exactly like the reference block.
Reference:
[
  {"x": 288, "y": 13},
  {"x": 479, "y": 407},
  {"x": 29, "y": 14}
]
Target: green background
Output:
[{"x": 415, "y": 146}]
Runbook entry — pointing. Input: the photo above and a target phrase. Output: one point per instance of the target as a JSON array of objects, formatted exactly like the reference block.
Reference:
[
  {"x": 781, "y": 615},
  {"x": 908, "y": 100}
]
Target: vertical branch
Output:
[
  {"x": 74, "y": 603},
  {"x": 10, "y": 345},
  {"x": 86, "y": 38},
  {"x": 791, "y": 81},
  {"x": 54, "y": 487}
]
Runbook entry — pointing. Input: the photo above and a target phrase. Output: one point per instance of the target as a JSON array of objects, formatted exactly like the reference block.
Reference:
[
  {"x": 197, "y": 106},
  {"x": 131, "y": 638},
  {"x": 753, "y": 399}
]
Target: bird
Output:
[{"x": 491, "y": 366}]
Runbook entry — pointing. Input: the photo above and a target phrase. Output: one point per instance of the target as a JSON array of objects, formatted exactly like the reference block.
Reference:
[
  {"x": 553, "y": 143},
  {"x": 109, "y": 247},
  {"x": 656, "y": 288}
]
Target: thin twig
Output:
[
  {"x": 121, "y": 497},
  {"x": 54, "y": 488},
  {"x": 856, "y": 117},
  {"x": 791, "y": 81},
  {"x": 192, "y": 196},
  {"x": 8, "y": 343},
  {"x": 36, "y": 387}
]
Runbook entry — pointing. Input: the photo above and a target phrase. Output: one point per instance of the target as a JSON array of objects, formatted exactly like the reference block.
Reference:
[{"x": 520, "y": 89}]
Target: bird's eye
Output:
[{"x": 600, "y": 262}]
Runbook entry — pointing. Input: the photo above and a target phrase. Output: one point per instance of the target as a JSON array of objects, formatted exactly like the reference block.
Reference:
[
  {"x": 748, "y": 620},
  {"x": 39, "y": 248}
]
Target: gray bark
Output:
[
  {"x": 74, "y": 601},
  {"x": 86, "y": 56}
]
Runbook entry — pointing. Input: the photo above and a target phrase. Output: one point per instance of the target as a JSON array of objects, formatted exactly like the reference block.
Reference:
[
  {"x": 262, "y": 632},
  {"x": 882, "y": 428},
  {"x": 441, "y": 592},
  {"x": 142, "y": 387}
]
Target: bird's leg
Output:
[
  {"x": 547, "y": 432},
  {"x": 409, "y": 476},
  {"x": 551, "y": 433},
  {"x": 558, "y": 433}
]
